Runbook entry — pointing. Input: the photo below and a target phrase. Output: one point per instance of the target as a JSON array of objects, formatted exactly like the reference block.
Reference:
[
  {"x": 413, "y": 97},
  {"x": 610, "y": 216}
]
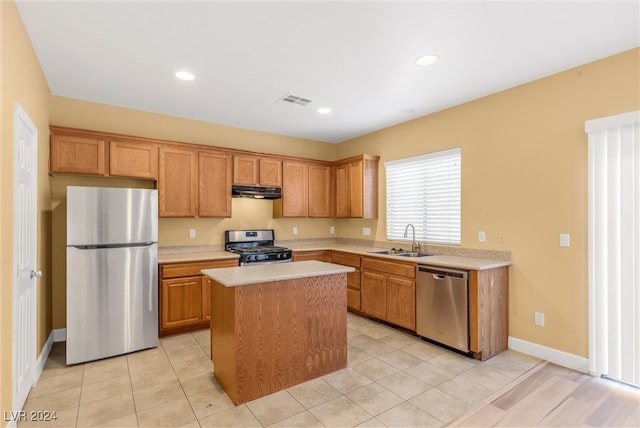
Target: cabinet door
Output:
[
  {"x": 270, "y": 172},
  {"x": 373, "y": 294},
  {"x": 401, "y": 301},
  {"x": 319, "y": 191},
  {"x": 177, "y": 182},
  {"x": 133, "y": 159},
  {"x": 342, "y": 191},
  {"x": 245, "y": 170},
  {"x": 355, "y": 190},
  {"x": 77, "y": 154},
  {"x": 181, "y": 302},
  {"x": 294, "y": 189},
  {"x": 214, "y": 185}
]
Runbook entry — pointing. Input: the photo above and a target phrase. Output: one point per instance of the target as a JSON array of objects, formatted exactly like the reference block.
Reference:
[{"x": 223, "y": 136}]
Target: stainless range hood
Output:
[{"x": 256, "y": 192}]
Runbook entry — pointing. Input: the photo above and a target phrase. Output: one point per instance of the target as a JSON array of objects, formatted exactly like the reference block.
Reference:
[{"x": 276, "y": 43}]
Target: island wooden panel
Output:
[{"x": 268, "y": 337}]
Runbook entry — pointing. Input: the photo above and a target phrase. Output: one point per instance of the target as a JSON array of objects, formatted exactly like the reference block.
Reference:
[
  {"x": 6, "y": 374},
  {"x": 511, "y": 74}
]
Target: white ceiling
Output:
[{"x": 356, "y": 57}]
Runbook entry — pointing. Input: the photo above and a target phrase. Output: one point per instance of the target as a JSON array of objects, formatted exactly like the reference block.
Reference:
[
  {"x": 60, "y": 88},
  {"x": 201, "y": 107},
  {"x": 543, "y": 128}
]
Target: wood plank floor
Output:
[{"x": 550, "y": 395}]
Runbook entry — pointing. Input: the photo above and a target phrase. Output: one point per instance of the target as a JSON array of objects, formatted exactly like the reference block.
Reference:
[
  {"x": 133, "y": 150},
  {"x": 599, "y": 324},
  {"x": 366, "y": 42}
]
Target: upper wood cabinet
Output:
[
  {"x": 295, "y": 180},
  {"x": 133, "y": 159},
  {"x": 214, "y": 184},
  {"x": 306, "y": 190},
  {"x": 194, "y": 183},
  {"x": 77, "y": 154},
  {"x": 257, "y": 171},
  {"x": 320, "y": 190},
  {"x": 356, "y": 187},
  {"x": 177, "y": 182}
]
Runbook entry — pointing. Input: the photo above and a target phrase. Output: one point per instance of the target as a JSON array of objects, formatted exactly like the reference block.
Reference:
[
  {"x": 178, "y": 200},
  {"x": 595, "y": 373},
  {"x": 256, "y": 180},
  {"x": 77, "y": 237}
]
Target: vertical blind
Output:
[
  {"x": 614, "y": 247},
  {"x": 425, "y": 191}
]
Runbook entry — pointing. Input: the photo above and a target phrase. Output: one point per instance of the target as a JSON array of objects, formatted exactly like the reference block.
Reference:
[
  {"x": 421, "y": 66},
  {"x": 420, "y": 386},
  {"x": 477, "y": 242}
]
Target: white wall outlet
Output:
[
  {"x": 192, "y": 233},
  {"x": 564, "y": 240},
  {"x": 538, "y": 318},
  {"x": 481, "y": 236},
  {"x": 332, "y": 230},
  {"x": 295, "y": 230},
  {"x": 366, "y": 231}
]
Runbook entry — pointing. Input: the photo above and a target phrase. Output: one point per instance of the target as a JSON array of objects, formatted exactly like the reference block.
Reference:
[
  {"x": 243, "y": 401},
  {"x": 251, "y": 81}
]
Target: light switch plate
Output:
[
  {"x": 564, "y": 240},
  {"x": 295, "y": 230},
  {"x": 192, "y": 233},
  {"x": 366, "y": 231},
  {"x": 332, "y": 230},
  {"x": 481, "y": 236},
  {"x": 538, "y": 318}
]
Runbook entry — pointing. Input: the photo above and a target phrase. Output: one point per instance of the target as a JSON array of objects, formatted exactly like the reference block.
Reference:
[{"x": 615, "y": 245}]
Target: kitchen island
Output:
[{"x": 277, "y": 325}]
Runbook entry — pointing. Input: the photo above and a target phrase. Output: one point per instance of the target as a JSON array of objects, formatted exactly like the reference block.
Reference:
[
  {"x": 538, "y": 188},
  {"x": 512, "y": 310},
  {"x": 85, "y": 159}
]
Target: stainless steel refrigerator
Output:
[{"x": 112, "y": 272}]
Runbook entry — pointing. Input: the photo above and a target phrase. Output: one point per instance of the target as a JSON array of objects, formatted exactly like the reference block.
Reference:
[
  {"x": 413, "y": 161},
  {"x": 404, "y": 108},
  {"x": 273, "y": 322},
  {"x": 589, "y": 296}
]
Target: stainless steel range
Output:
[{"x": 255, "y": 246}]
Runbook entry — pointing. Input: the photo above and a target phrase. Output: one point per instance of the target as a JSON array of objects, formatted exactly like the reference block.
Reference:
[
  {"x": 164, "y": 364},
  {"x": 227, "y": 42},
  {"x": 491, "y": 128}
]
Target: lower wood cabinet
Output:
[
  {"x": 353, "y": 278},
  {"x": 388, "y": 291},
  {"x": 488, "y": 311},
  {"x": 185, "y": 295}
]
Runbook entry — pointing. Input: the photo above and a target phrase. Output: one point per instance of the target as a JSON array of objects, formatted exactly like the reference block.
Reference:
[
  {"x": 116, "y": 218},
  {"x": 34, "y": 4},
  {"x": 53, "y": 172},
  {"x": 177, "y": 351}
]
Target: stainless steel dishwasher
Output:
[{"x": 442, "y": 306}]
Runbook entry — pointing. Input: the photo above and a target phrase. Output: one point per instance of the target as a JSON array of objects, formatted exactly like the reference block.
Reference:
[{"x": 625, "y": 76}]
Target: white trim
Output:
[
  {"x": 42, "y": 358},
  {"x": 59, "y": 335},
  {"x": 612, "y": 121},
  {"x": 555, "y": 356}
]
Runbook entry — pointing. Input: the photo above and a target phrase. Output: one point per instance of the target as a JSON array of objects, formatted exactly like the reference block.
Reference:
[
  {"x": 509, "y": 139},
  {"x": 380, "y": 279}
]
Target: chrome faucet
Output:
[{"x": 415, "y": 248}]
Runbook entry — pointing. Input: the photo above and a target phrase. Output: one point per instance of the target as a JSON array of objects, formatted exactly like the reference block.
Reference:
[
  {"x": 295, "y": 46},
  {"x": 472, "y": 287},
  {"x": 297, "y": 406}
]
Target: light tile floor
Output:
[{"x": 393, "y": 379}]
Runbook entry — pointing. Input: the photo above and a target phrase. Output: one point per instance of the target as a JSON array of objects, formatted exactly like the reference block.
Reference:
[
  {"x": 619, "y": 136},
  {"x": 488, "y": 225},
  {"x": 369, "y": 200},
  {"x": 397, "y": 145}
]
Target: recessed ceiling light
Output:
[
  {"x": 185, "y": 75},
  {"x": 427, "y": 59},
  {"x": 324, "y": 110}
]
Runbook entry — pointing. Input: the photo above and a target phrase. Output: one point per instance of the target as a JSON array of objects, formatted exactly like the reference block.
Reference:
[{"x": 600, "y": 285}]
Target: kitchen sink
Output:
[
  {"x": 400, "y": 253},
  {"x": 413, "y": 254},
  {"x": 392, "y": 252}
]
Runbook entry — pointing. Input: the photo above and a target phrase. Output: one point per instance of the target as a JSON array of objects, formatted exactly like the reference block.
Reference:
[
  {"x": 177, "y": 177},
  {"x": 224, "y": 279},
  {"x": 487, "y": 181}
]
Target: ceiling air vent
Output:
[{"x": 294, "y": 99}]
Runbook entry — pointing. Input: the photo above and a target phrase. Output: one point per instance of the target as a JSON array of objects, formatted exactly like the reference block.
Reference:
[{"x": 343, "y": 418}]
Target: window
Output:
[{"x": 425, "y": 191}]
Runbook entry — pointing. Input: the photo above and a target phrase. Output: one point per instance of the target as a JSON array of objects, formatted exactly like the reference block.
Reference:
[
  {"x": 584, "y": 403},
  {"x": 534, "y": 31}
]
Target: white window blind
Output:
[
  {"x": 425, "y": 191},
  {"x": 614, "y": 246}
]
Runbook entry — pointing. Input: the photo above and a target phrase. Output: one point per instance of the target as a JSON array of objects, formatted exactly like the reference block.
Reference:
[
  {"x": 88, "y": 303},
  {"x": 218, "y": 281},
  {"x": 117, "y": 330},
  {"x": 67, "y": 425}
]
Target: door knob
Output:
[{"x": 35, "y": 274}]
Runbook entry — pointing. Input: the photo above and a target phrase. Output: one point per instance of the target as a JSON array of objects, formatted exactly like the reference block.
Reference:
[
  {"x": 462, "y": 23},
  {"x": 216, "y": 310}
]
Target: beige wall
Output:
[
  {"x": 21, "y": 80},
  {"x": 524, "y": 175}
]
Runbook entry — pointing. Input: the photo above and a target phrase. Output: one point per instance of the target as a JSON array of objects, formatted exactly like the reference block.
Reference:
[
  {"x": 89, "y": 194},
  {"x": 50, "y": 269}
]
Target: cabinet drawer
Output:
[
  {"x": 177, "y": 270},
  {"x": 396, "y": 268},
  {"x": 345, "y": 259}
]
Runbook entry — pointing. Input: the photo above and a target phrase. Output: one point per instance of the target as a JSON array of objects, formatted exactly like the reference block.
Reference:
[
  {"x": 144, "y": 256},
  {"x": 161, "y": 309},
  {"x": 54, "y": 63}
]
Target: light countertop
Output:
[
  {"x": 260, "y": 273},
  {"x": 459, "y": 262},
  {"x": 441, "y": 260}
]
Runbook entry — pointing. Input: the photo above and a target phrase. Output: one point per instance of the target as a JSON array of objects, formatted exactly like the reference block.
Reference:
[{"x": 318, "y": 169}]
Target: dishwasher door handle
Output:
[{"x": 439, "y": 276}]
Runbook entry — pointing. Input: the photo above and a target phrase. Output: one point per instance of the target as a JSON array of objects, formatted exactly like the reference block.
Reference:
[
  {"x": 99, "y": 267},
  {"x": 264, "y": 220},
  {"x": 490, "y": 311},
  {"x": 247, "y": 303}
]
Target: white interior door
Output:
[{"x": 24, "y": 237}]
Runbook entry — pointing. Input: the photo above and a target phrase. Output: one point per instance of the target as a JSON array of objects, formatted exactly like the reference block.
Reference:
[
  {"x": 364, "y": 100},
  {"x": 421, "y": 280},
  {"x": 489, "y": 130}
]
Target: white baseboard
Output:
[
  {"x": 42, "y": 358},
  {"x": 555, "y": 356},
  {"x": 59, "y": 335}
]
